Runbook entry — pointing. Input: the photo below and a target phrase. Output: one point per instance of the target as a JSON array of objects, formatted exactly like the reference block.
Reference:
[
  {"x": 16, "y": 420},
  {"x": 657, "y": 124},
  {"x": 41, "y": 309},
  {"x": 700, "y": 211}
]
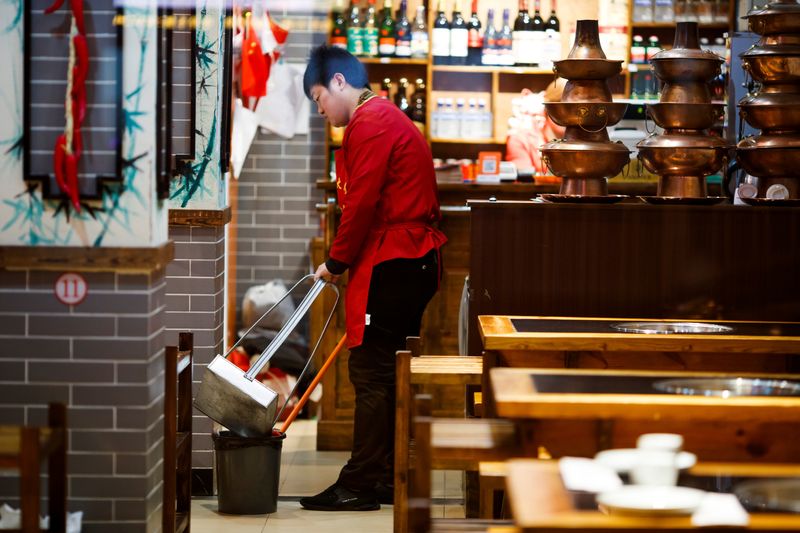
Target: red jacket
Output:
[{"x": 386, "y": 188}]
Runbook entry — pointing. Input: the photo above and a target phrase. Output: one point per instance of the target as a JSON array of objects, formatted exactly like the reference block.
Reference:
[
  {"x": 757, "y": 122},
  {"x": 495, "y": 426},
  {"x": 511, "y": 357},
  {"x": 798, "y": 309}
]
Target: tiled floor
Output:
[{"x": 305, "y": 471}]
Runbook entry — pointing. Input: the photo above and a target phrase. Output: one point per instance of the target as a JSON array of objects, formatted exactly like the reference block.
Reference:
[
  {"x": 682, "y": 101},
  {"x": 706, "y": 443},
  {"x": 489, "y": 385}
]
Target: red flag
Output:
[{"x": 255, "y": 67}]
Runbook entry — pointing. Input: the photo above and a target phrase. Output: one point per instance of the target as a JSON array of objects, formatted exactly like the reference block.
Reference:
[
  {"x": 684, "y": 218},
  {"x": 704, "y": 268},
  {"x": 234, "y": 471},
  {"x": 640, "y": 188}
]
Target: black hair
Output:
[{"x": 325, "y": 61}]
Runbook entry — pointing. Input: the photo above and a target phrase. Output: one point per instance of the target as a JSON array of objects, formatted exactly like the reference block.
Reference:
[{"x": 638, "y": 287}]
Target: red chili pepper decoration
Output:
[
  {"x": 66, "y": 157},
  {"x": 77, "y": 12},
  {"x": 81, "y": 58},
  {"x": 59, "y": 163},
  {"x": 56, "y": 5}
]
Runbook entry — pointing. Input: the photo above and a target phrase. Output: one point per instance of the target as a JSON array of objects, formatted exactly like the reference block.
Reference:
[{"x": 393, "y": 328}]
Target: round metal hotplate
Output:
[
  {"x": 670, "y": 328},
  {"x": 726, "y": 388}
]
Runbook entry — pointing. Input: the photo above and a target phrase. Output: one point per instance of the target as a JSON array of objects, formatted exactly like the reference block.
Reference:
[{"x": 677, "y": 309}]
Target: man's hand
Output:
[{"x": 324, "y": 274}]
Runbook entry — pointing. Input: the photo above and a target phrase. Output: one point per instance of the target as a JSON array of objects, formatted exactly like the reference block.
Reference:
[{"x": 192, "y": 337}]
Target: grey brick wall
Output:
[
  {"x": 105, "y": 359},
  {"x": 276, "y": 214},
  {"x": 195, "y": 302}
]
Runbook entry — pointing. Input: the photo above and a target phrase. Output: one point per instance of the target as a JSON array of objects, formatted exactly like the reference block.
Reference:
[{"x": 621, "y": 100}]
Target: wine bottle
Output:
[
  {"x": 475, "y": 43},
  {"x": 489, "y": 56},
  {"x": 386, "y": 88},
  {"x": 401, "y": 96},
  {"x": 459, "y": 37},
  {"x": 387, "y": 42},
  {"x": 419, "y": 35},
  {"x": 418, "y": 106},
  {"x": 339, "y": 26},
  {"x": 504, "y": 39},
  {"x": 553, "y": 31},
  {"x": 522, "y": 36},
  {"x": 402, "y": 32},
  {"x": 441, "y": 38}
]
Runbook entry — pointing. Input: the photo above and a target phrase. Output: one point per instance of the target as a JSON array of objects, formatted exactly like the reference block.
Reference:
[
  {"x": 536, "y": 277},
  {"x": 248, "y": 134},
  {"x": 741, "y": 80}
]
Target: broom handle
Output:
[{"x": 313, "y": 385}]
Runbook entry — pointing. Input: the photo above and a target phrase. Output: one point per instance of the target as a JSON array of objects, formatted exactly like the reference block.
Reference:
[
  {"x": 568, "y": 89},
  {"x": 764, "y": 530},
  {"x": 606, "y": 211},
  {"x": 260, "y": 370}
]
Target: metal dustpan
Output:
[{"x": 234, "y": 398}]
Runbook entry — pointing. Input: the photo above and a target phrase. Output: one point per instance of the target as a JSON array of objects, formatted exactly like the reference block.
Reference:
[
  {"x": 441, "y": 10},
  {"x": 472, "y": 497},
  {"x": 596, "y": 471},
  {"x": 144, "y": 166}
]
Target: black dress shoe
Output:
[
  {"x": 384, "y": 494},
  {"x": 339, "y": 498}
]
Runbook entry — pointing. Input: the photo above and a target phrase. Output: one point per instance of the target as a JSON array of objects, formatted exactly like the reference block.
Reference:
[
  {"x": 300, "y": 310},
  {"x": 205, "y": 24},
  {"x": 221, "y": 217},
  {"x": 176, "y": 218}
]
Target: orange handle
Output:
[{"x": 313, "y": 385}]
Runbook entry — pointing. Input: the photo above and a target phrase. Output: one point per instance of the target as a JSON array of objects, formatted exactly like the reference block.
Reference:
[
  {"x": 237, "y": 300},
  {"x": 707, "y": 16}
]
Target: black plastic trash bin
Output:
[{"x": 248, "y": 472}]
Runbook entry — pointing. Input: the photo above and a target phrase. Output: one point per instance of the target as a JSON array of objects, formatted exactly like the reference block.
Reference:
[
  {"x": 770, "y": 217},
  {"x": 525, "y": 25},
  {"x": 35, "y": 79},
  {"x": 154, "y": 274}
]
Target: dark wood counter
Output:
[{"x": 633, "y": 260}]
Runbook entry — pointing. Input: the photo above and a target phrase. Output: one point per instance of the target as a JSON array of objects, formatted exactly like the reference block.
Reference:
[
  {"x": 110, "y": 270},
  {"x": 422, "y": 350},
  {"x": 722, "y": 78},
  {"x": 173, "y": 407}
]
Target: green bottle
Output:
[
  {"x": 387, "y": 40},
  {"x": 355, "y": 33},
  {"x": 370, "y": 35}
]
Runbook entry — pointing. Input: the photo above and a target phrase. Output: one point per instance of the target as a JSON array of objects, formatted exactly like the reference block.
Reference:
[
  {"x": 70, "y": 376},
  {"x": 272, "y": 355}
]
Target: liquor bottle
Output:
[
  {"x": 523, "y": 35},
  {"x": 402, "y": 32},
  {"x": 370, "y": 35},
  {"x": 386, "y": 88},
  {"x": 638, "y": 50},
  {"x": 339, "y": 26},
  {"x": 553, "y": 31},
  {"x": 355, "y": 33},
  {"x": 387, "y": 42},
  {"x": 653, "y": 47},
  {"x": 489, "y": 56},
  {"x": 419, "y": 35},
  {"x": 459, "y": 37},
  {"x": 441, "y": 38},
  {"x": 401, "y": 96},
  {"x": 504, "y": 39},
  {"x": 536, "y": 53},
  {"x": 475, "y": 43},
  {"x": 418, "y": 106}
]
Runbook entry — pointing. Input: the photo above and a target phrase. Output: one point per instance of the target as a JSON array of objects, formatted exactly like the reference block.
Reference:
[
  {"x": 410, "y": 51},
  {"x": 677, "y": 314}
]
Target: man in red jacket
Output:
[{"x": 386, "y": 188}]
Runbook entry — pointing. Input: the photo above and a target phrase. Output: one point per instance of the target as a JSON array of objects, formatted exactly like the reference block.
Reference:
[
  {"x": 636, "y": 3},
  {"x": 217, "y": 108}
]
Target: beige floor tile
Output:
[
  {"x": 305, "y": 471},
  {"x": 290, "y": 518}
]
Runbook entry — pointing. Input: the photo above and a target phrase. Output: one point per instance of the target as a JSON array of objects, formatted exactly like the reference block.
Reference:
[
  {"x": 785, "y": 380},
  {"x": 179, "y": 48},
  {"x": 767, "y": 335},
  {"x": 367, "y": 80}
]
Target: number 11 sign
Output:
[{"x": 71, "y": 288}]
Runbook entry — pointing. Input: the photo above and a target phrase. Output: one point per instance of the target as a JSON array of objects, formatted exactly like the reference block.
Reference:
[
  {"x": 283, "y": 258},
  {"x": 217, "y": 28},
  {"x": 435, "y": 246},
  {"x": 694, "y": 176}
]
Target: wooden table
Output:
[
  {"x": 539, "y": 502},
  {"x": 580, "y": 412},
  {"x": 541, "y": 333},
  {"x": 23, "y": 449},
  {"x": 564, "y": 342}
]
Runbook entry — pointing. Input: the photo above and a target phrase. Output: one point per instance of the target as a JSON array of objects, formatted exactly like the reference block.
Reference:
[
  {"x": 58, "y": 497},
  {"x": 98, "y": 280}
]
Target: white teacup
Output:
[
  {"x": 668, "y": 442},
  {"x": 655, "y": 467}
]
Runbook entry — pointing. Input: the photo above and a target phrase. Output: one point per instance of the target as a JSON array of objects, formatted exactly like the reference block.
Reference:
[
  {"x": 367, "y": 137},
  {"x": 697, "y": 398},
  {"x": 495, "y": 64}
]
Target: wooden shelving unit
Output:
[
  {"x": 492, "y": 70},
  {"x": 393, "y": 61}
]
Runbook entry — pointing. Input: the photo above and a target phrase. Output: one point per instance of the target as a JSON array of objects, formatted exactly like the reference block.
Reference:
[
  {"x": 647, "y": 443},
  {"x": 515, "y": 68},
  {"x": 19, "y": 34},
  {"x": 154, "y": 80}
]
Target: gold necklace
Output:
[{"x": 364, "y": 98}]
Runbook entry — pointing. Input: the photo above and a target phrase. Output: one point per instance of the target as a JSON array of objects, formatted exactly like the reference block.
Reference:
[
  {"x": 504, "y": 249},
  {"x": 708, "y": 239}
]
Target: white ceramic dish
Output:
[
  {"x": 648, "y": 500},
  {"x": 623, "y": 460}
]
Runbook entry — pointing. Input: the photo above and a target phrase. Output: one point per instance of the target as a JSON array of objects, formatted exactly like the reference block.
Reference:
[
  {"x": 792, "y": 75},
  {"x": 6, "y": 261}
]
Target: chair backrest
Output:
[
  {"x": 177, "y": 491},
  {"x": 419, "y": 490}
]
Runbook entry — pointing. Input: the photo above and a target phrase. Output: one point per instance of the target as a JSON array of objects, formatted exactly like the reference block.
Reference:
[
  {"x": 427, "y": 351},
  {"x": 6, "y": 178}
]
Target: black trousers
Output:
[{"x": 398, "y": 293}]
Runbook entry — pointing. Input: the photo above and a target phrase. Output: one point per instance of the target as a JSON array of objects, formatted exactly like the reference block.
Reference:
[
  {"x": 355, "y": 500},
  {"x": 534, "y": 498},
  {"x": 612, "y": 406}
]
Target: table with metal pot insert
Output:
[{"x": 600, "y": 344}]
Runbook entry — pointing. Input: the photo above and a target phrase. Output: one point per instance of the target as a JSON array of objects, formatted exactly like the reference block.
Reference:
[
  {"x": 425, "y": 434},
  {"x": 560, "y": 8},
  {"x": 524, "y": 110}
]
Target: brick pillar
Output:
[
  {"x": 195, "y": 302},
  {"x": 104, "y": 359}
]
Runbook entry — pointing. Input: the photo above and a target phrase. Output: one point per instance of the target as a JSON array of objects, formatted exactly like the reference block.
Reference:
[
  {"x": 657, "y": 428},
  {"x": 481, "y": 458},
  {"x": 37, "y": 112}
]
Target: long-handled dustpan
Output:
[{"x": 234, "y": 398}]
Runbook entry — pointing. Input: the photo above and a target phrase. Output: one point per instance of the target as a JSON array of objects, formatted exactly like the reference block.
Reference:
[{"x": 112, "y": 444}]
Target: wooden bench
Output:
[
  {"x": 178, "y": 436},
  {"x": 438, "y": 441},
  {"x": 23, "y": 449}
]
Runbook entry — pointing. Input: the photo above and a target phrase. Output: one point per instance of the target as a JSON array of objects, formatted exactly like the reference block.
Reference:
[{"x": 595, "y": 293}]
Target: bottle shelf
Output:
[
  {"x": 703, "y": 25},
  {"x": 490, "y": 69},
  {"x": 393, "y": 61}
]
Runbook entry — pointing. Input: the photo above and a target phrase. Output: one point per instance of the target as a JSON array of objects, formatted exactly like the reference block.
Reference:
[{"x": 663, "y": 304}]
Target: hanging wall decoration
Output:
[{"x": 84, "y": 140}]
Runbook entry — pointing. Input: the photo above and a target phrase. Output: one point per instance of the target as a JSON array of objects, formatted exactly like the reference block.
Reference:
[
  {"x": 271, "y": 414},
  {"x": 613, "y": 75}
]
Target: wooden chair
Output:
[
  {"x": 178, "y": 436},
  {"x": 24, "y": 448},
  {"x": 433, "y": 445},
  {"x": 413, "y": 371}
]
